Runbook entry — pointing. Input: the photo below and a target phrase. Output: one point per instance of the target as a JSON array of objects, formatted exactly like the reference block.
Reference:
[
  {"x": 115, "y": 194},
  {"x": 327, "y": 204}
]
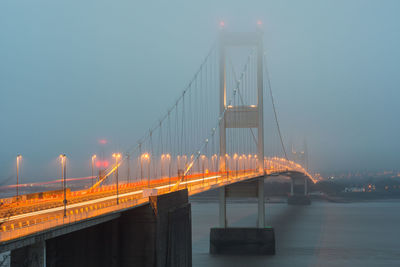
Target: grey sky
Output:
[{"x": 72, "y": 72}]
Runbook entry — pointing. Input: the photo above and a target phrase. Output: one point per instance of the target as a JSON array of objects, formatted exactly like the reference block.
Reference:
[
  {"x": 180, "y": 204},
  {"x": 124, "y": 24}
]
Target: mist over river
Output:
[{"x": 323, "y": 234}]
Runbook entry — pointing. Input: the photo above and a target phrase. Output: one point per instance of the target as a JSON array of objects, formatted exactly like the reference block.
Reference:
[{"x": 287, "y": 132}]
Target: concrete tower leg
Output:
[
  {"x": 291, "y": 186},
  {"x": 261, "y": 203},
  {"x": 305, "y": 186},
  {"x": 222, "y": 208}
]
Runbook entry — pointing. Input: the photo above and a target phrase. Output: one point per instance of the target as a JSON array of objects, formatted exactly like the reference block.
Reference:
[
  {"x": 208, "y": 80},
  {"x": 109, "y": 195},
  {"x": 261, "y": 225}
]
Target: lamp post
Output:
[
  {"x": 18, "y": 160},
  {"x": 147, "y": 157},
  {"x": 162, "y": 164},
  {"x": 128, "y": 158},
  {"x": 235, "y": 158},
  {"x": 63, "y": 178},
  {"x": 93, "y": 159},
  {"x": 244, "y": 163},
  {"x": 227, "y": 165},
  {"x": 202, "y": 165},
  {"x": 169, "y": 169},
  {"x": 168, "y": 157},
  {"x": 148, "y": 172},
  {"x": 116, "y": 156}
]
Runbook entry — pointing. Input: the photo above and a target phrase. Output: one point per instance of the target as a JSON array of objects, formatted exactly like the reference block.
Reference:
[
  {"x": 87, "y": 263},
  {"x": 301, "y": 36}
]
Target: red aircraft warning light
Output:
[
  {"x": 103, "y": 141},
  {"x": 102, "y": 163}
]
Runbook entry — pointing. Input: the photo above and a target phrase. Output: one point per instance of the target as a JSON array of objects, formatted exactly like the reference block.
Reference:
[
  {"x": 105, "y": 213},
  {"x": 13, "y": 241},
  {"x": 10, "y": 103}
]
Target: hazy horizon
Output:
[{"x": 74, "y": 72}]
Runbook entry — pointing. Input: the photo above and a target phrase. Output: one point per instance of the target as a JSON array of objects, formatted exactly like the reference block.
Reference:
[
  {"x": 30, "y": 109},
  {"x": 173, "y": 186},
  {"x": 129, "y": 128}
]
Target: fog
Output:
[{"x": 73, "y": 72}]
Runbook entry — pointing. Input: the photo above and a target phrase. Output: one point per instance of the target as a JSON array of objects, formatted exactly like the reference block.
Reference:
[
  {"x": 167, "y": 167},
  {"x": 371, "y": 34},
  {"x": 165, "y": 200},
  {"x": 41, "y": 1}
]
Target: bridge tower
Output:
[{"x": 242, "y": 116}]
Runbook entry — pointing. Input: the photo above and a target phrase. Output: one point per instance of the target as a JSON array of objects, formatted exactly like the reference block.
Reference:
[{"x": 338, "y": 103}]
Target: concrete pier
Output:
[
  {"x": 29, "y": 256},
  {"x": 256, "y": 241},
  {"x": 159, "y": 234}
]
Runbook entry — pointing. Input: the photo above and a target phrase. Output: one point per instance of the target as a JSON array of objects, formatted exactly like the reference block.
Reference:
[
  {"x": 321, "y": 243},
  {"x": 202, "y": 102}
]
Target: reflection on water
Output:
[{"x": 323, "y": 234}]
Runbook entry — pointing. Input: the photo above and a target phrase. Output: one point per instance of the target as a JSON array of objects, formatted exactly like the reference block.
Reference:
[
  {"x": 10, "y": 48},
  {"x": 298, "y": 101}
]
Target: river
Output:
[{"x": 322, "y": 234}]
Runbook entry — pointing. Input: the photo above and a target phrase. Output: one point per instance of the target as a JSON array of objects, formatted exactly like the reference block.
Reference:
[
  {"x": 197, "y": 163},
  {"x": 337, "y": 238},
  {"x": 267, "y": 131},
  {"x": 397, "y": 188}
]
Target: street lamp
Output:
[
  {"x": 145, "y": 156},
  {"x": 250, "y": 164},
  {"x": 116, "y": 156},
  {"x": 162, "y": 164},
  {"x": 18, "y": 160},
  {"x": 235, "y": 156},
  {"x": 169, "y": 168},
  {"x": 203, "y": 157},
  {"x": 93, "y": 159},
  {"x": 63, "y": 179},
  {"x": 168, "y": 158},
  {"x": 227, "y": 157},
  {"x": 244, "y": 163},
  {"x": 128, "y": 158}
]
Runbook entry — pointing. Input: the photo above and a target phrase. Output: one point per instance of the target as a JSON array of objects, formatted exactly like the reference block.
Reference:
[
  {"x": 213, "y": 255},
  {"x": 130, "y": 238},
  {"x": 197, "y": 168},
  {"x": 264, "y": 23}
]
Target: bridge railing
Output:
[{"x": 73, "y": 216}]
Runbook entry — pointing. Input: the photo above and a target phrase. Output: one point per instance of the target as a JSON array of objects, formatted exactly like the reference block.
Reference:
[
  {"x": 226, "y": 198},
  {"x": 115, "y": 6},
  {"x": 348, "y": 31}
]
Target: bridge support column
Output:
[
  {"x": 305, "y": 186},
  {"x": 251, "y": 240},
  {"x": 261, "y": 203},
  {"x": 29, "y": 256},
  {"x": 96, "y": 246},
  {"x": 291, "y": 187},
  {"x": 297, "y": 196},
  {"x": 222, "y": 208},
  {"x": 158, "y": 234}
]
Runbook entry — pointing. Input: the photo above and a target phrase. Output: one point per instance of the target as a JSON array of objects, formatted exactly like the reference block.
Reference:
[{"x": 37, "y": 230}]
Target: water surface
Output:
[{"x": 323, "y": 234}]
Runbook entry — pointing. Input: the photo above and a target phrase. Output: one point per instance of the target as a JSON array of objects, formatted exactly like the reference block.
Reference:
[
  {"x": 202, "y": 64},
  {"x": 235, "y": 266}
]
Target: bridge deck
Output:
[{"x": 24, "y": 218}]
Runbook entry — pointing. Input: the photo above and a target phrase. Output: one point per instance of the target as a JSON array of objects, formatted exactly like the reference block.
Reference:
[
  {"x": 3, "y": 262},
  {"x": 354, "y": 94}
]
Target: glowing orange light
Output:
[
  {"x": 116, "y": 155},
  {"x": 62, "y": 157},
  {"x": 222, "y": 24},
  {"x": 259, "y": 22}
]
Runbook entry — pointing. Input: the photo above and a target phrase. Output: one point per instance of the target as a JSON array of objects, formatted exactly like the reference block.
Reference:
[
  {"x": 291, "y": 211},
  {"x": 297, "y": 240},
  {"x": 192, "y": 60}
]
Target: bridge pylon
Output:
[
  {"x": 250, "y": 116},
  {"x": 242, "y": 116}
]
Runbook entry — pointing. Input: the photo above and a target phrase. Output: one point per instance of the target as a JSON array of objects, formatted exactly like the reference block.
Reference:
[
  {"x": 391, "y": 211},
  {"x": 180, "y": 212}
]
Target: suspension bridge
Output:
[{"x": 212, "y": 137}]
